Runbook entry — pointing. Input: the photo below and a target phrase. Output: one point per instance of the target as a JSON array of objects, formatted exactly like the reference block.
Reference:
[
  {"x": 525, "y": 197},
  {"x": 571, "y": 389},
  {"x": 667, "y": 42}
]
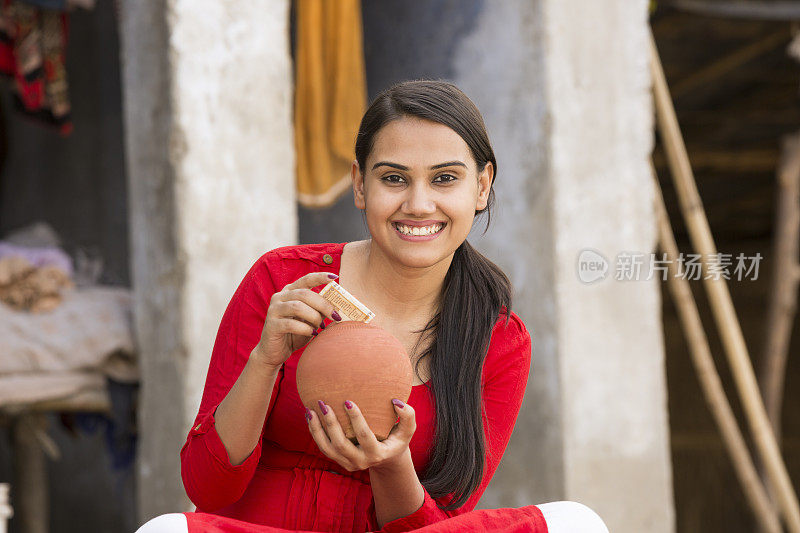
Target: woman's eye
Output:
[
  {"x": 393, "y": 178},
  {"x": 396, "y": 179}
]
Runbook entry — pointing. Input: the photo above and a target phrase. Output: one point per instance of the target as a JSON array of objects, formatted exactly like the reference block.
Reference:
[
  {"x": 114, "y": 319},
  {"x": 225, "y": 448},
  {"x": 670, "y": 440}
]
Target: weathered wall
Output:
[
  {"x": 210, "y": 165},
  {"x": 610, "y": 340}
]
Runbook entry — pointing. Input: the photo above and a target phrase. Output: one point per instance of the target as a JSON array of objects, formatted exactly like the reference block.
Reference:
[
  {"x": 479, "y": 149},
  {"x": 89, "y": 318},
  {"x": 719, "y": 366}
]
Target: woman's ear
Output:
[
  {"x": 485, "y": 179},
  {"x": 358, "y": 185}
]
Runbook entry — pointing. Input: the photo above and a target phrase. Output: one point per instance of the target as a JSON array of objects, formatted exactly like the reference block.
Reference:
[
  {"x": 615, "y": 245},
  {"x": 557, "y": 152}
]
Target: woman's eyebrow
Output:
[
  {"x": 449, "y": 164},
  {"x": 388, "y": 164},
  {"x": 432, "y": 167}
]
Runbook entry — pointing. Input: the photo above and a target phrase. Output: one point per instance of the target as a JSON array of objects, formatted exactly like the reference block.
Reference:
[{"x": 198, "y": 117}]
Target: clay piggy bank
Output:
[{"x": 359, "y": 362}]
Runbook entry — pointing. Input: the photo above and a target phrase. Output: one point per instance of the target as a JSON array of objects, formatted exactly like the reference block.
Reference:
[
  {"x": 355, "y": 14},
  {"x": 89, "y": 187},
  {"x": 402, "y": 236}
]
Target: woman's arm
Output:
[
  {"x": 240, "y": 417},
  {"x": 293, "y": 316},
  {"x": 396, "y": 489},
  {"x": 505, "y": 378}
]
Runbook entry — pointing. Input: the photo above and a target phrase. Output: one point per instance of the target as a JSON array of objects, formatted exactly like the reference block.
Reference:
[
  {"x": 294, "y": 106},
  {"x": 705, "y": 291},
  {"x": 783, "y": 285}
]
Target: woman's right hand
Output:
[{"x": 293, "y": 316}]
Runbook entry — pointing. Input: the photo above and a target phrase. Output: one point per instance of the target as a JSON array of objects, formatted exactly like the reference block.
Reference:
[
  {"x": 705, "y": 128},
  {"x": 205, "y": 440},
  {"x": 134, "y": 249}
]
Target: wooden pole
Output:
[
  {"x": 30, "y": 475},
  {"x": 710, "y": 381},
  {"x": 782, "y": 306},
  {"x": 730, "y": 62},
  {"x": 782, "y": 10},
  {"x": 720, "y": 299},
  {"x": 785, "y": 278}
]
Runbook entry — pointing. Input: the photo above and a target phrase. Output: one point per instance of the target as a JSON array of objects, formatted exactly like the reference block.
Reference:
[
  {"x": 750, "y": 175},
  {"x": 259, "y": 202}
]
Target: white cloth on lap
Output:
[
  {"x": 571, "y": 517},
  {"x": 561, "y": 517},
  {"x": 166, "y": 523}
]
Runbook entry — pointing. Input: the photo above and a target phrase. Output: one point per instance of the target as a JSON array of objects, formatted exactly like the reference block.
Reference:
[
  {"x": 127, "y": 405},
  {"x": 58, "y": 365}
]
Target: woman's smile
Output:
[{"x": 409, "y": 230}]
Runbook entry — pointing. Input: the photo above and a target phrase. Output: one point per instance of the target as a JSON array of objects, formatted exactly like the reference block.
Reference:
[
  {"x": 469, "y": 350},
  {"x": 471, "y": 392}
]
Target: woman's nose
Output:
[{"x": 419, "y": 200}]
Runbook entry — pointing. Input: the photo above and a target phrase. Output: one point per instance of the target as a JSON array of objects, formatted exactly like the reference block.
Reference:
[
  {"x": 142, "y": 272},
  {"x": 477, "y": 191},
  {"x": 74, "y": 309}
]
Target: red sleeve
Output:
[
  {"x": 505, "y": 377},
  {"x": 210, "y": 480}
]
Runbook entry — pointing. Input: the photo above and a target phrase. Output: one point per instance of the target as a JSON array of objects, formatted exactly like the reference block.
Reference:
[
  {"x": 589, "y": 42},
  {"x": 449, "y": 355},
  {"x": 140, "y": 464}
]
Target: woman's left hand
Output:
[{"x": 369, "y": 452}]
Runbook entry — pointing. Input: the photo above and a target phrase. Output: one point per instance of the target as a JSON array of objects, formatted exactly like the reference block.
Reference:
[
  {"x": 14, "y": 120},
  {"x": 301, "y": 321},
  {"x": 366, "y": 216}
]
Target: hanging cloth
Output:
[
  {"x": 33, "y": 44},
  {"x": 330, "y": 97}
]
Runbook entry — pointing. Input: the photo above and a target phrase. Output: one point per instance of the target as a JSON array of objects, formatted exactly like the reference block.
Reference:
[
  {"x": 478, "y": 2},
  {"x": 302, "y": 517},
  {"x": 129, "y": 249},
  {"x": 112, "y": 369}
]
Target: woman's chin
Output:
[
  {"x": 419, "y": 258},
  {"x": 415, "y": 254}
]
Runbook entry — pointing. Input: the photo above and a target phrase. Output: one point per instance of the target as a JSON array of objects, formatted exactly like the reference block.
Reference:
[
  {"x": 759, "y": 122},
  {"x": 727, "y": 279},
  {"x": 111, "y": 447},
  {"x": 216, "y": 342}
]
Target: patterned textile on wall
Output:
[{"x": 33, "y": 44}]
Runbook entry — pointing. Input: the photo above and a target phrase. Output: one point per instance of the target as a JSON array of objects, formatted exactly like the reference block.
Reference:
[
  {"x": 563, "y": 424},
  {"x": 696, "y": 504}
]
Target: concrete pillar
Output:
[
  {"x": 570, "y": 115},
  {"x": 611, "y": 356},
  {"x": 207, "y": 96}
]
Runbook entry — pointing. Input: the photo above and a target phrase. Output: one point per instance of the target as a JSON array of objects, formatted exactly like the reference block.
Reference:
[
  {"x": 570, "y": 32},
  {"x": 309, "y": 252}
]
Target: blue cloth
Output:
[{"x": 58, "y": 5}]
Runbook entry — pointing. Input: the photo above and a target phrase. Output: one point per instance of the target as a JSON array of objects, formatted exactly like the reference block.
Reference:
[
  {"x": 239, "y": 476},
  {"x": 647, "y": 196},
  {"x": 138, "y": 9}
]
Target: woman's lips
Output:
[{"x": 418, "y": 238}]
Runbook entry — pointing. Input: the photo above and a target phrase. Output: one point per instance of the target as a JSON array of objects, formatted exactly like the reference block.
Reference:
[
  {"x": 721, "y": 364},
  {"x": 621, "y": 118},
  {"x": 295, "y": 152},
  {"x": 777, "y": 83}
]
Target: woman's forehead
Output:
[{"x": 419, "y": 143}]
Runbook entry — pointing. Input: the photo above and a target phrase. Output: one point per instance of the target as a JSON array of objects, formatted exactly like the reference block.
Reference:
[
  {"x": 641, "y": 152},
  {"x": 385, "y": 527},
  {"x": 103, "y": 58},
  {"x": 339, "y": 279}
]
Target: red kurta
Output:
[{"x": 287, "y": 483}]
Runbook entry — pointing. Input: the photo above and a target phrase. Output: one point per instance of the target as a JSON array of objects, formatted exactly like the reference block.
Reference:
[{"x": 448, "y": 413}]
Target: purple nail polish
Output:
[
  {"x": 398, "y": 403},
  {"x": 314, "y": 333},
  {"x": 332, "y": 276},
  {"x": 322, "y": 407},
  {"x": 322, "y": 325},
  {"x": 336, "y": 316},
  {"x": 348, "y": 404},
  {"x": 308, "y": 414}
]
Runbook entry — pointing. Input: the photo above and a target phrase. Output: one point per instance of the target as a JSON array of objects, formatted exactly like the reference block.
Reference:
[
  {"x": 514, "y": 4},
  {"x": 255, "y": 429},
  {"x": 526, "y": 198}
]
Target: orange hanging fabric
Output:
[{"x": 330, "y": 97}]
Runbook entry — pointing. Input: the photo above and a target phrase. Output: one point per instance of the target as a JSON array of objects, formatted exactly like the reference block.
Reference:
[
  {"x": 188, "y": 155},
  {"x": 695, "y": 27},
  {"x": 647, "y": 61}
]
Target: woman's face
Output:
[{"x": 420, "y": 189}]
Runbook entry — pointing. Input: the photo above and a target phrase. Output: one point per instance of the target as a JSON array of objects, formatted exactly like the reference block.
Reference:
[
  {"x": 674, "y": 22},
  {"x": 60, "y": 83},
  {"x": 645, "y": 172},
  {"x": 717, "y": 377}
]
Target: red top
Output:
[{"x": 286, "y": 482}]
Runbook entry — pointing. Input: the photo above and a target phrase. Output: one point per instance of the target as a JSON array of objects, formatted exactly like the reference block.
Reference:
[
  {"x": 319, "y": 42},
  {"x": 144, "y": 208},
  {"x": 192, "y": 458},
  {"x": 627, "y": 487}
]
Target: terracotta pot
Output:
[{"x": 359, "y": 362}]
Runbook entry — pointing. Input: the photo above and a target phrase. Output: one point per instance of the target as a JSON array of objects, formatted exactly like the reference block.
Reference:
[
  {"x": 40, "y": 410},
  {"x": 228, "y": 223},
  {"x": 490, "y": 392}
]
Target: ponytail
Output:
[{"x": 475, "y": 290}]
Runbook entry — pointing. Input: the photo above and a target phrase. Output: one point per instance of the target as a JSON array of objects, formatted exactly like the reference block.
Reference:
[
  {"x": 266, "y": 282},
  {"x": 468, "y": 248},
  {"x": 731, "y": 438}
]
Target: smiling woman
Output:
[
  {"x": 419, "y": 173},
  {"x": 254, "y": 461}
]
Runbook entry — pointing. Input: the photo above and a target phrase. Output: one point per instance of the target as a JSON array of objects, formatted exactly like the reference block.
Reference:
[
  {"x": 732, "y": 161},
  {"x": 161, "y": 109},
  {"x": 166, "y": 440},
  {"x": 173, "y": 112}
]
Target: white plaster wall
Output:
[
  {"x": 233, "y": 151},
  {"x": 209, "y": 150},
  {"x": 611, "y": 354}
]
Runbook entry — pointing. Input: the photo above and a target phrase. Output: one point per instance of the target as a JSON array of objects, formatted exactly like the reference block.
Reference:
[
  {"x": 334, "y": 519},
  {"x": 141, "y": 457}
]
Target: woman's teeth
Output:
[{"x": 419, "y": 231}]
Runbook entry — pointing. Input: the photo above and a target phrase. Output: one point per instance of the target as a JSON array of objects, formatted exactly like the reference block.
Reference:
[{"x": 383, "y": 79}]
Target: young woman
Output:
[{"x": 257, "y": 460}]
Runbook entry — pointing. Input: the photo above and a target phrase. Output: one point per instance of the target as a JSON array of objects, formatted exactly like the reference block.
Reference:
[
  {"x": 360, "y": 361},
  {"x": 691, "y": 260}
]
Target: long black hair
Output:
[{"x": 474, "y": 292}]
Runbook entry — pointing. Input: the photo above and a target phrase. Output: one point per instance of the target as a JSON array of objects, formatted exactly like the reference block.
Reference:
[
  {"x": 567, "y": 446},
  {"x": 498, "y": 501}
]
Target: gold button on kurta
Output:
[{"x": 327, "y": 259}]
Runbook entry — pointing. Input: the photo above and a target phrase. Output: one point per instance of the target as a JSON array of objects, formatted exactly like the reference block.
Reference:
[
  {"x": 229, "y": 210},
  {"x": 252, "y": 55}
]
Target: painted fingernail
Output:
[
  {"x": 322, "y": 325},
  {"x": 398, "y": 403},
  {"x": 348, "y": 404},
  {"x": 336, "y": 316},
  {"x": 308, "y": 414},
  {"x": 314, "y": 333},
  {"x": 322, "y": 407},
  {"x": 333, "y": 276}
]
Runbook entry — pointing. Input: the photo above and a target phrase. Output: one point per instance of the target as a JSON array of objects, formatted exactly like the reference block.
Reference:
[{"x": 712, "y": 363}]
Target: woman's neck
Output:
[{"x": 402, "y": 292}]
